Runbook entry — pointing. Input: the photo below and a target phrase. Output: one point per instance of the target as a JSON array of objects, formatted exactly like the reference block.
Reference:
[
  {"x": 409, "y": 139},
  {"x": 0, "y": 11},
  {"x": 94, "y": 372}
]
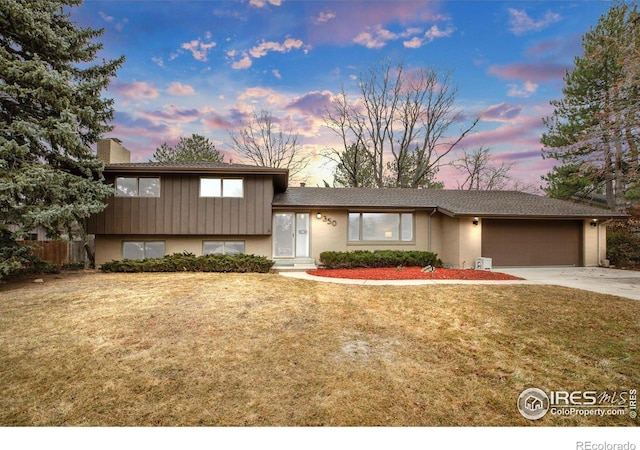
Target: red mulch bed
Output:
[{"x": 412, "y": 273}]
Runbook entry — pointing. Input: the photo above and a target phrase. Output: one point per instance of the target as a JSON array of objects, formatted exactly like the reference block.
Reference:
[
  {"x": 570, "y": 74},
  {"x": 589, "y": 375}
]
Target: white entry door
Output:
[{"x": 290, "y": 235}]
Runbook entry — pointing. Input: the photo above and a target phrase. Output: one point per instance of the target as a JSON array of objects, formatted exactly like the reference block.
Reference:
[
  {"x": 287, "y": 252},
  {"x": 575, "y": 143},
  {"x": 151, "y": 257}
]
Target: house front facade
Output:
[{"x": 203, "y": 208}]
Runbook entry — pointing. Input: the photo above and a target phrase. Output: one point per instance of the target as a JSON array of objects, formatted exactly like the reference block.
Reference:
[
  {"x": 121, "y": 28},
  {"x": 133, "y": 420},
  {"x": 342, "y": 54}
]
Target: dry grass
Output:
[{"x": 213, "y": 349}]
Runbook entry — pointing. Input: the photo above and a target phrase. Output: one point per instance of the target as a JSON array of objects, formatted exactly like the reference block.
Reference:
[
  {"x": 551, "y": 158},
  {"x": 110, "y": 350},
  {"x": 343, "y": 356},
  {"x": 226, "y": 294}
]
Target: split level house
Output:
[{"x": 202, "y": 208}]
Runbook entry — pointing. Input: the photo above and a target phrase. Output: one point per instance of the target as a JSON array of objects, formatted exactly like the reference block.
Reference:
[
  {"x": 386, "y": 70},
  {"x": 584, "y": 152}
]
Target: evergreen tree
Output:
[
  {"x": 354, "y": 167},
  {"x": 51, "y": 113},
  {"x": 195, "y": 148},
  {"x": 565, "y": 182},
  {"x": 596, "y": 124}
]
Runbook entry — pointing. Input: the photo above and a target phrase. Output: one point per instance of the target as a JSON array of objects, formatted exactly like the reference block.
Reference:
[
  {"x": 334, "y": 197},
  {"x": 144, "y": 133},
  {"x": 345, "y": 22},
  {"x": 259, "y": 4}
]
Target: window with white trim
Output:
[
  {"x": 222, "y": 187},
  {"x": 222, "y": 247},
  {"x": 137, "y": 187},
  {"x": 380, "y": 227},
  {"x": 142, "y": 249}
]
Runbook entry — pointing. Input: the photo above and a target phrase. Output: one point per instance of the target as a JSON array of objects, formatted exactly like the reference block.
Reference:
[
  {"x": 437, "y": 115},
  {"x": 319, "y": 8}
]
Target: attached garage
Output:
[{"x": 527, "y": 242}]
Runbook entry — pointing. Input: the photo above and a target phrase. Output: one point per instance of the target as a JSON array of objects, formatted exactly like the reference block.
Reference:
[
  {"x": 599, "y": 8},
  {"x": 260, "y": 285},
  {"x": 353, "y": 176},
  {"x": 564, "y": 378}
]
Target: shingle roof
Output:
[{"x": 451, "y": 202}]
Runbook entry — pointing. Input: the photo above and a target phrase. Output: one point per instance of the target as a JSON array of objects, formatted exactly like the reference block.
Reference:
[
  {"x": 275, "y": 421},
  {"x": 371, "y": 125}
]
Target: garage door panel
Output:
[{"x": 532, "y": 242}]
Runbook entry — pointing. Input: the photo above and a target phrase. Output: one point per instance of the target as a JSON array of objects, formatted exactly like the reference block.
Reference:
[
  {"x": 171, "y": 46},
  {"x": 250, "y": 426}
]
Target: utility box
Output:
[{"x": 483, "y": 263}]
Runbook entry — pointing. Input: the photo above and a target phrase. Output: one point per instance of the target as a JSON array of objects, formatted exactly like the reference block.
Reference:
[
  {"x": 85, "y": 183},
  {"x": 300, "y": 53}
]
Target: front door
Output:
[{"x": 290, "y": 235}]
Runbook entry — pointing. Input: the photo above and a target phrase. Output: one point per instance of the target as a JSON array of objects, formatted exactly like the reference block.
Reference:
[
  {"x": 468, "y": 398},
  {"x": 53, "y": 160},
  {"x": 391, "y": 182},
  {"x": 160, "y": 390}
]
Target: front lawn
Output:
[{"x": 261, "y": 349}]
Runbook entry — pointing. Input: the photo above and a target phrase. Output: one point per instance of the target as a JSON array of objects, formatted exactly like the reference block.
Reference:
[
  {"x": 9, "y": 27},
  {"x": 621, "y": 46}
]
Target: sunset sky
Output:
[{"x": 204, "y": 66}]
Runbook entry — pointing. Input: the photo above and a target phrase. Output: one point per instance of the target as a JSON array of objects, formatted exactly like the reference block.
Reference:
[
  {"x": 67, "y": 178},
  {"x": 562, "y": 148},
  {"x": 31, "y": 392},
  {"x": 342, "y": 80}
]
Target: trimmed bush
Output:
[
  {"x": 623, "y": 240},
  {"x": 623, "y": 248},
  {"x": 188, "y": 262},
  {"x": 378, "y": 258}
]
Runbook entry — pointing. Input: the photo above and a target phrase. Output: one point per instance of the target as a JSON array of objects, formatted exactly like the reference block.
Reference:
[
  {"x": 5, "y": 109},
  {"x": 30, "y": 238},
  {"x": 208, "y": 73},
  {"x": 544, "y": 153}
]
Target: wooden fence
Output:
[{"x": 59, "y": 252}]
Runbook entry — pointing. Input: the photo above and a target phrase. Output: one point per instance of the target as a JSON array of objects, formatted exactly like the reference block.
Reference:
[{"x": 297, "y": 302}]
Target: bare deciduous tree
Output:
[
  {"x": 479, "y": 171},
  {"x": 263, "y": 142},
  {"x": 403, "y": 120}
]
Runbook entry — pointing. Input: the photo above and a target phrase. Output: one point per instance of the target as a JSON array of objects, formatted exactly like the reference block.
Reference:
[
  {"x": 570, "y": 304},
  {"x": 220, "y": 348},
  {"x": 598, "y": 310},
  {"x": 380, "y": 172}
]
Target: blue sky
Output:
[{"x": 204, "y": 66}]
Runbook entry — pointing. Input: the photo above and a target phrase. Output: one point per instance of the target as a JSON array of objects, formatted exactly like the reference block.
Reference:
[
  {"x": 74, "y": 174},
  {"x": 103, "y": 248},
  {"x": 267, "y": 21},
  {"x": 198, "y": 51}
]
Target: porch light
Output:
[
  {"x": 318, "y": 215},
  {"x": 475, "y": 221},
  {"x": 594, "y": 222}
]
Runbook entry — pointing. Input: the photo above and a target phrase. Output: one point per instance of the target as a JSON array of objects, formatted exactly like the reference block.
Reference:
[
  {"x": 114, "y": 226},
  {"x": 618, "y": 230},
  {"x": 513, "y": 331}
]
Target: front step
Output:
[{"x": 294, "y": 265}]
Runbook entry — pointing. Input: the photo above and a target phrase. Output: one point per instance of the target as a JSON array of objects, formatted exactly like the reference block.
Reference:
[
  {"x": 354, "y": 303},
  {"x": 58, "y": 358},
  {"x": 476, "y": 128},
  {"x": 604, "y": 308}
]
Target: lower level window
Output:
[
  {"x": 142, "y": 250},
  {"x": 222, "y": 247}
]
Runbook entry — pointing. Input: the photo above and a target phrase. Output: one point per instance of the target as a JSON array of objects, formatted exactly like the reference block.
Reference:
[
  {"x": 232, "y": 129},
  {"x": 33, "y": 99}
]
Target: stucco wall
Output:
[
  {"x": 591, "y": 255},
  {"x": 460, "y": 241},
  {"x": 325, "y": 237},
  {"x": 109, "y": 247}
]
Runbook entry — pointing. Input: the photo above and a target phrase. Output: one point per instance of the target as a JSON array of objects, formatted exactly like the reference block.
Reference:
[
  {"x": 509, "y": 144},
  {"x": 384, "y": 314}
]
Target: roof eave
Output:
[
  {"x": 539, "y": 216},
  {"x": 281, "y": 176}
]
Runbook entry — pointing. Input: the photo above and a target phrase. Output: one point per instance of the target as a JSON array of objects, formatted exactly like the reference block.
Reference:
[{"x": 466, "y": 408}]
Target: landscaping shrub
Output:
[
  {"x": 188, "y": 262},
  {"x": 623, "y": 240},
  {"x": 623, "y": 248},
  {"x": 378, "y": 258},
  {"x": 18, "y": 260}
]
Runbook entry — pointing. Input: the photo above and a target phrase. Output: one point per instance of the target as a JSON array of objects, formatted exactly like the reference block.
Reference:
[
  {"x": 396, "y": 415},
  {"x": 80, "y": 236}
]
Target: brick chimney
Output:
[{"x": 111, "y": 151}]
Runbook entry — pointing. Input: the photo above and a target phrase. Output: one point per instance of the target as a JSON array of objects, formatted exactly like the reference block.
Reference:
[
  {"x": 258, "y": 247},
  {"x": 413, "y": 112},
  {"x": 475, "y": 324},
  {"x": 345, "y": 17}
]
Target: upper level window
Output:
[
  {"x": 221, "y": 187},
  {"x": 381, "y": 227},
  {"x": 137, "y": 187}
]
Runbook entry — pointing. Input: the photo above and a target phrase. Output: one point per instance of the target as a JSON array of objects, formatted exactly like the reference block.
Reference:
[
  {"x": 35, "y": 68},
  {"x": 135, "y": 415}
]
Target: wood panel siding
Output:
[{"x": 181, "y": 211}]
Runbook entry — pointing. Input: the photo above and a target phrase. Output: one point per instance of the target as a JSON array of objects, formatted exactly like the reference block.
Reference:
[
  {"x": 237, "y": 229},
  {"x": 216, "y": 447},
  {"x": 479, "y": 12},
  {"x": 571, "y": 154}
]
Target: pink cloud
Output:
[
  {"x": 525, "y": 90},
  {"x": 243, "y": 63},
  {"x": 177, "y": 88},
  {"x": 198, "y": 48},
  {"x": 435, "y": 32},
  {"x": 502, "y": 112},
  {"x": 136, "y": 90},
  {"x": 313, "y": 103},
  {"x": 432, "y": 34},
  {"x": 353, "y": 18},
  {"x": 142, "y": 136},
  {"x": 262, "y": 49},
  {"x": 218, "y": 122},
  {"x": 268, "y": 46},
  {"x": 539, "y": 72},
  {"x": 263, "y": 3},
  {"x": 514, "y": 156},
  {"x": 414, "y": 42},
  {"x": 324, "y": 16},
  {"x": 519, "y": 132},
  {"x": 520, "y": 22},
  {"x": 377, "y": 37},
  {"x": 171, "y": 114}
]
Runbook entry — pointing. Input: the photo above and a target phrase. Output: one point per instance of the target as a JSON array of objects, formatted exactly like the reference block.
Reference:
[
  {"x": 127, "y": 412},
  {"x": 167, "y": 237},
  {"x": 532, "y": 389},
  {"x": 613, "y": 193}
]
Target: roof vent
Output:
[{"x": 303, "y": 184}]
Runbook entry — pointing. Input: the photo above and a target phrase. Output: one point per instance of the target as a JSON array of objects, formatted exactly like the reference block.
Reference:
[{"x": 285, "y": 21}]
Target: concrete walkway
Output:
[{"x": 623, "y": 283}]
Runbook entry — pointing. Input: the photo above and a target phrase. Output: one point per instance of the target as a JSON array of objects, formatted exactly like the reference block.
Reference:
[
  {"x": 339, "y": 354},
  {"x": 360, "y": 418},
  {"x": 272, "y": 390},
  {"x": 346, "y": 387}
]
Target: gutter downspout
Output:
[
  {"x": 599, "y": 225},
  {"x": 429, "y": 224}
]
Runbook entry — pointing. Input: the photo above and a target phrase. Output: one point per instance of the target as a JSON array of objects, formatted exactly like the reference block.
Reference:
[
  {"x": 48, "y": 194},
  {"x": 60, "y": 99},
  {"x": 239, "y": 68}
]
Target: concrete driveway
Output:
[{"x": 623, "y": 283}]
